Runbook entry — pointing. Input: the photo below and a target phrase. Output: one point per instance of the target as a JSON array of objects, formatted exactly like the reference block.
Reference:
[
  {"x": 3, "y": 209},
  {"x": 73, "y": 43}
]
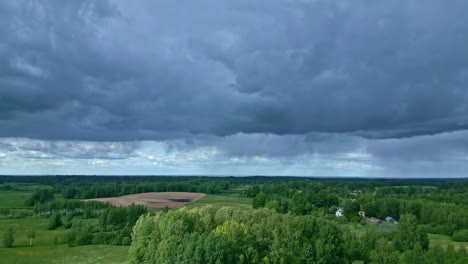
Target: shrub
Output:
[
  {"x": 8, "y": 237},
  {"x": 440, "y": 229},
  {"x": 126, "y": 241},
  {"x": 71, "y": 238},
  {"x": 460, "y": 236},
  {"x": 55, "y": 221}
]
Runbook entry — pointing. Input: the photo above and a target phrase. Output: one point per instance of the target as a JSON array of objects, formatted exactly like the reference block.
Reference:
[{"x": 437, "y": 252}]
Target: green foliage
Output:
[
  {"x": 121, "y": 219},
  {"x": 70, "y": 193},
  {"x": 225, "y": 235},
  {"x": 259, "y": 200},
  {"x": 409, "y": 236},
  {"x": 126, "y": 241},
  {"x": 217, "y": 235},
  {"x": 460, "y": 236},
  {"x": 31, "y": 235},
  {"x": 8, "y": 237},
  {"x": 299, "y": 204},
  {"x": 439, "y": 229},
  {"x": 351, "y": 209},
  {"x": 253, "y": 191},
  {"x": 55, "y": 221},
  {"x": 40, "y": 196},
  {"x": 384, "y": 253},
  {"x": 69, "y": 222}
]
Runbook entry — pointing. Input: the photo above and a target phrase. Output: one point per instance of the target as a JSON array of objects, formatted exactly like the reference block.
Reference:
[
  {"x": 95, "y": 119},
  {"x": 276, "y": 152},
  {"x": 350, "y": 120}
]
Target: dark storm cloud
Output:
[{"x": 124, "y": 70}]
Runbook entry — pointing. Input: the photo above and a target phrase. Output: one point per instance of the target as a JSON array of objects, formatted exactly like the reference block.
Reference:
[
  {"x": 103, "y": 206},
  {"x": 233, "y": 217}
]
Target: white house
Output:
[{"x": 339, "y": 213}]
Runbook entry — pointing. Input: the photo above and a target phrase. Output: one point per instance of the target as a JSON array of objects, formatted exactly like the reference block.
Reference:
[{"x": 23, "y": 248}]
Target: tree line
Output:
[{"x": 226, "y": 235}]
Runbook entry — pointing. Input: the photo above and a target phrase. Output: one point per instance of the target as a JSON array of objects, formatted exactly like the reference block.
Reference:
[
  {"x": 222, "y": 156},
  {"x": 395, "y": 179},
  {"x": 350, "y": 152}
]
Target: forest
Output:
[{"x": 241, "y": 220}]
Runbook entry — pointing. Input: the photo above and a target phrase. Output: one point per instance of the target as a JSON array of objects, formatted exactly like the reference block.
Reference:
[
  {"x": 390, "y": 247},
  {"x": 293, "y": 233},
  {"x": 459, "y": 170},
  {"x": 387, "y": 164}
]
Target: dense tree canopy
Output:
[{"x": 210, "y": 235}]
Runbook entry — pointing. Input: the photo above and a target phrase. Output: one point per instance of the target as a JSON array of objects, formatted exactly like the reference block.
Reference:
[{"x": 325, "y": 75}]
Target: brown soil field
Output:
[{"x": 153, "y": 200}]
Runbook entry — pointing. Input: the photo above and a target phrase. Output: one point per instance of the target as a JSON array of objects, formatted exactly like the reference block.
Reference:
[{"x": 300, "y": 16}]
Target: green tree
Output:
[
  {"x": 70, "y": 193},
  {"x": 384, "y": 253},
  {"x": 9, "y": 237},
  {"x": 460, "y": 236},
  {"x": 40, "y": 196},
  {"x": 409, "y": 236},
  {"x": 55, "y": 221},
  {"x": 273, "y": 204},
  {"x": 351, "y": 208},
  {"x": 259, "y": 200},
  {"x": 71, "y": 238},
  {"x": 298, "y": 204},
  {"x": 31, "y": 235}
]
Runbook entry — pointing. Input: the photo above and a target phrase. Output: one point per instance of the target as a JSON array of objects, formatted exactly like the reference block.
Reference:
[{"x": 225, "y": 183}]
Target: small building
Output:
[
  {"x": 362, "y": 213},
  {"x": 339, "y": 213},
  {"x": 390, "y": 219}
]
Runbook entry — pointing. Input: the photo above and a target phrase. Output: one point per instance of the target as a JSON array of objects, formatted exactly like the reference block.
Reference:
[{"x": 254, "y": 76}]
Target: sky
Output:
[{"x": 234, "y": 87}]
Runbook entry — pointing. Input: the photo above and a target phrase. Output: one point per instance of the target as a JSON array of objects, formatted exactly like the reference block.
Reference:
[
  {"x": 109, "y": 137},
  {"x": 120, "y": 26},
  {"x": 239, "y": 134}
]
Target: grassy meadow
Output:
[
  {"x": 49, "y": 245},
  {"x": 223, "y": 200},
  {"x": 444, "y": 241},
  {"x": 55, "y": 254},
  {"x": 46, "y": 251}
]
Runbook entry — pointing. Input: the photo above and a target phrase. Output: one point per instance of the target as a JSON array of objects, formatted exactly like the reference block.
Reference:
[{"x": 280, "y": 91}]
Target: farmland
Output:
[
  {"x": 96, "y": 232},
  {"x": 153, "y": 200},
  {"x": 50, "y": 246}
]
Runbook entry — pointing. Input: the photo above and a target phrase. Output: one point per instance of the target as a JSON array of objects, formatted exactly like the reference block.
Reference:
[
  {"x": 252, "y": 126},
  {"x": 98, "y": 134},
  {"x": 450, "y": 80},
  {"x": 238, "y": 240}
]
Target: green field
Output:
[
  {"x": 223, "y": 200},
  {"x": 63, "y": 254},
  {"x": 444, "y": 241},
  {"x": 435, "y": 239},
  {"x": 44, "y": 249},
  {"x": 13, "y": 199}
]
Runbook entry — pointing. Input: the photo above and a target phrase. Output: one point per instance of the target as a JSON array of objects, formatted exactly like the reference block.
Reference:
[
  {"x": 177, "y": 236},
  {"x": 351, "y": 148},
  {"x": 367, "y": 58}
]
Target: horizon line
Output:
[{"x": 228, "y": 176}]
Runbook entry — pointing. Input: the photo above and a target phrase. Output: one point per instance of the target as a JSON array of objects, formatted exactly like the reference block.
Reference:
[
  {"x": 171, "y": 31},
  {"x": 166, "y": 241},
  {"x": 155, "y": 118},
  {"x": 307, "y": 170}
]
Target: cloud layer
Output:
[
  {"x": 116, "y": 70},
  {"x": 279, "y": 80}
]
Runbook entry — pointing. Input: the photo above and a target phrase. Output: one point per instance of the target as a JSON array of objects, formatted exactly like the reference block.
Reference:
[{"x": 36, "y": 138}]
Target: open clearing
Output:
[{"x": 153, "y": 200}]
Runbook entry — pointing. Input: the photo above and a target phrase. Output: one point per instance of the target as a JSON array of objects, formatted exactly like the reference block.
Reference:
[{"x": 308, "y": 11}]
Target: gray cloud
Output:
[
  {"x": 270, "y": 145},
  {"x": 447, "y": 146},
  {"x": 46, "y": 149},
  {"x": 349, "y": 84},
  {"x": 119, "y": 71}
]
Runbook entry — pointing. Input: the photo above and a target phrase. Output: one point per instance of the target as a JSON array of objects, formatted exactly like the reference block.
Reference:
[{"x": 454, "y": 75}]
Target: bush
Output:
[
  {"x": 55, "y": 221},
  {"x": 341, "y": 220},
  {"x": 40, "y": 196},
  {"x": 441, "y": 229},
  {"x": 460, "y": 236},
  {"x": 363, "y": 221},
  {"x": 126, "y": 241},
  {"x": 8, "y": 237},
  {"x": 356, "y": 219},
  {"x": 102, "y": 238},
  {"x": 117, "y": 240},
  {"x": 84, "y": 236},
  {"x": 71, "y": 238}
]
